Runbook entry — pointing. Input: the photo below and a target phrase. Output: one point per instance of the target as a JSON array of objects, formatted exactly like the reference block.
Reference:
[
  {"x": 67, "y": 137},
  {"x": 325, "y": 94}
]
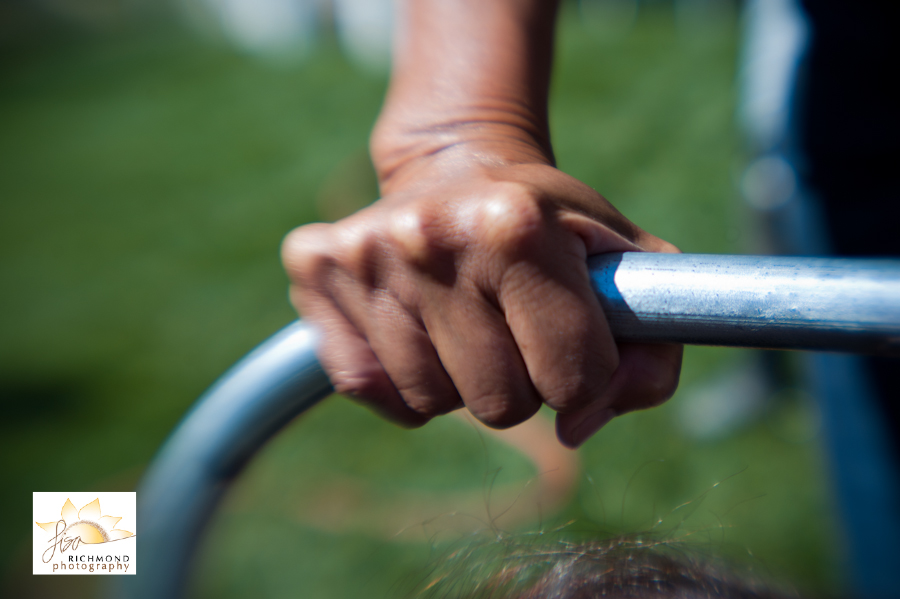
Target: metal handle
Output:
[
  {"x": 827, "y": 304},
  {"x": 786, "y": 303}
]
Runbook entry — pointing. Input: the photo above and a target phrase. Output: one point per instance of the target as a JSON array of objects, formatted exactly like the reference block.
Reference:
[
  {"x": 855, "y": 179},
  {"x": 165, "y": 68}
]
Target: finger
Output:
[
  {"x": 561, "y": 331},
  {"x": 407, "y": 354},
  {"x": 350, "y": 363},
  {"x": 545, "y": 294},
  {"x": 480, "y": 355},
  {"x": 647, "y": 376},
  {"x": 369, "y": 347},
  {"x": 358, "y": 286}
]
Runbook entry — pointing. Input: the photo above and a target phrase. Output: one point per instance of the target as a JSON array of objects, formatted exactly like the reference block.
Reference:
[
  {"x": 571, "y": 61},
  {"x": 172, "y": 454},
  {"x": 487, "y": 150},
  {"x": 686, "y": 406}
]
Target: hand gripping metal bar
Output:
[{"x": 749, "y": 301}]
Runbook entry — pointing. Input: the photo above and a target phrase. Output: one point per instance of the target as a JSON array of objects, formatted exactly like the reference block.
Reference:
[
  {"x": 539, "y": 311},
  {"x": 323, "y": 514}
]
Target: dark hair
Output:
[{"x": 530, "y": 567}]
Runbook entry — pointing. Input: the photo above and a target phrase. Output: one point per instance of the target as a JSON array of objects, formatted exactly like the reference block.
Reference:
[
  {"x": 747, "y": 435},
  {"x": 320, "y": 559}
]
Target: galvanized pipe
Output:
[
  {"x": 787, "y": 303},
  {"x": 178, "y": 495},
  {"x": 826, "y": 304}
]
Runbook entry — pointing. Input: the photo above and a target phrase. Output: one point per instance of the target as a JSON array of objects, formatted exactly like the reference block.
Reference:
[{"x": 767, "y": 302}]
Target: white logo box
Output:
[{"x": 67, "y": 555}]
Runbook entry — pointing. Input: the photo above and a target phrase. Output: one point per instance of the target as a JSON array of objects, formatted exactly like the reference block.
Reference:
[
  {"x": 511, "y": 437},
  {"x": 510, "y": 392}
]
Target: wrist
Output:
[{"x": 404, "y": 151}]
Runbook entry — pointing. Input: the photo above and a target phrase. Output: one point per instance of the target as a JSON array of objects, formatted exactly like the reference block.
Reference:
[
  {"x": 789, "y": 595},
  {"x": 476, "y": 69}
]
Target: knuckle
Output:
[
  {"x": 428, "y": 401},
  {"x": 358, "y": 250},
  {"x": 364, "y": 382},
  {"x": 501, "y": 410},
  {"x": 306, "y": 253},
  {"x": 416, "y": 230},
  {"x": 357, "y": 246},
  {"x": 513, "y": 219},
  {"x": 570, "y": 393},
  {"x": 429, "y": 240},
  {"x": 591, "y": 371}
]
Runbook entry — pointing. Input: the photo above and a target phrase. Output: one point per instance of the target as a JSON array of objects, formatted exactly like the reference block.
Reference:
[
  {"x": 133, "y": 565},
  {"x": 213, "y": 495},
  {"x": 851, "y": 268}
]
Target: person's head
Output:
[{"x": 623, "y": 567}]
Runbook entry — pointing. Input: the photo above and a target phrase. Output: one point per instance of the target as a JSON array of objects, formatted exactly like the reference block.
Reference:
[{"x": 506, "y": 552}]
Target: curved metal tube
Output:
[
  {"x": 787, "y": 303},
  {"x": 246, "y": 407}
]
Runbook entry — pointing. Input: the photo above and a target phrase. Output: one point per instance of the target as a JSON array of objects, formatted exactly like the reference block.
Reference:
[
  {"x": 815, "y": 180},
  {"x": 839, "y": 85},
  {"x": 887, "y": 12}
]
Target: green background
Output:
[{"x": 147, "y": 178}]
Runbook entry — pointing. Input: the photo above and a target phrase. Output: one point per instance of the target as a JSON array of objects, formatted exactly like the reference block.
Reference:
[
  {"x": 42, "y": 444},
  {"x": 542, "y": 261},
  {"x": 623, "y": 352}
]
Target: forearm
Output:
[{"x": 470, "y": 72}]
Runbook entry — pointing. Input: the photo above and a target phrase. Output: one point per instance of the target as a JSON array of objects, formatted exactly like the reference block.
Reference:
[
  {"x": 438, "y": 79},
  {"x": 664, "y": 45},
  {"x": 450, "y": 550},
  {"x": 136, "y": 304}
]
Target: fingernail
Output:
[{"x": 584, "y": 430}]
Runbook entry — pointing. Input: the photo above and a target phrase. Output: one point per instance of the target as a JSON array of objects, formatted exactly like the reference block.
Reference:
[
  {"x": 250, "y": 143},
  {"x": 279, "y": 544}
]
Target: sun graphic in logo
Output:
[{"x": 87, "y": 524}]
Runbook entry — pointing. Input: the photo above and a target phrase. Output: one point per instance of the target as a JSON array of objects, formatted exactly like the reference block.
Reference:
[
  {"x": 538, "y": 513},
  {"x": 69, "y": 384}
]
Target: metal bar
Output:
[
  {"x": 826, "y": 304},
  {"x": 246, "y": 407},
  {"x": 788, "y": 303}
]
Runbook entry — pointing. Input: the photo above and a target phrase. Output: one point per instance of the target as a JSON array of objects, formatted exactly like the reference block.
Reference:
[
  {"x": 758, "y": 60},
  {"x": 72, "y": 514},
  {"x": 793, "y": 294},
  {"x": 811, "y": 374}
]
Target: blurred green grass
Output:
[{"x": 146, "y": 182}]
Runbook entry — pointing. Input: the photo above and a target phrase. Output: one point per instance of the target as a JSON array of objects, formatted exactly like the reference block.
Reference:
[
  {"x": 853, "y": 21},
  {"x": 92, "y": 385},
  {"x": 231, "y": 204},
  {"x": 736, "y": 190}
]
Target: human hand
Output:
[{"x": 467, "y": 284}]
